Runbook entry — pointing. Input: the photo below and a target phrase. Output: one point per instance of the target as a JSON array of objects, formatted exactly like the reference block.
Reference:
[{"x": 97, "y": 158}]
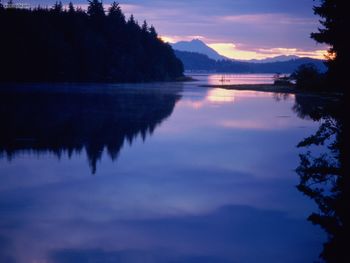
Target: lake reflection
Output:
[
  {"x": 74, "y": 119},
  {"x": 183, "y": 174}
]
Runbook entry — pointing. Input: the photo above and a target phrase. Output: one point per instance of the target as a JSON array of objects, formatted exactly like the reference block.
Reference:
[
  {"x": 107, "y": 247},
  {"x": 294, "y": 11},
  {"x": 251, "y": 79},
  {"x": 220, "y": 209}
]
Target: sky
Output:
[{"x": 240, "y": 29}]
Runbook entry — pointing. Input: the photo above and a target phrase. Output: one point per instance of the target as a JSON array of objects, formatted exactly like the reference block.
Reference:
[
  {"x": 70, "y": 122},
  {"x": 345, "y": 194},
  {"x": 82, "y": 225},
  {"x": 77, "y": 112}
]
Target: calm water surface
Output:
[
  {"x": 151, "y": 173},
  {"x": 232, "y": 79}
]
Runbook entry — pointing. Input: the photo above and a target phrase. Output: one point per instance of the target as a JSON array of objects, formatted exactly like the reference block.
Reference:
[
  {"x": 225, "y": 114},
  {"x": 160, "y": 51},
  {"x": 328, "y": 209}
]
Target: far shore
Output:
[
  {"x": 256, "y": 87},
  {"x": 290, "y": 89}
]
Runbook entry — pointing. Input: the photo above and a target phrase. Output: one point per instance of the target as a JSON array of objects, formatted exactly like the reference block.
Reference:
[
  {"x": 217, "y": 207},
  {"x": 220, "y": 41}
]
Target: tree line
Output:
[{"x": 60, "y": 44}]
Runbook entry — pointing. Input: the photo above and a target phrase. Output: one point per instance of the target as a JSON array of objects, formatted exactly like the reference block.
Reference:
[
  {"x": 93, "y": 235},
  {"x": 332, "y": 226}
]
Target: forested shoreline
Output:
[{"x": 72, "y": 45}]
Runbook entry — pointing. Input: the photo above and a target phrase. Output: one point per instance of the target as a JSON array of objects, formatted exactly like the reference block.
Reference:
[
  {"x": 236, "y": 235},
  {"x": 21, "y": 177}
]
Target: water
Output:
[
  {"x": 151, "y": 173},
  {"x": 232, "y": 79}
]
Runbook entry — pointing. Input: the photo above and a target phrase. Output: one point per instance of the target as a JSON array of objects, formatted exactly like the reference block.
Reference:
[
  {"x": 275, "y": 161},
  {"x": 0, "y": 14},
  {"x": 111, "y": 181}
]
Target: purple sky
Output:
[{"x": 241, "y": 29}]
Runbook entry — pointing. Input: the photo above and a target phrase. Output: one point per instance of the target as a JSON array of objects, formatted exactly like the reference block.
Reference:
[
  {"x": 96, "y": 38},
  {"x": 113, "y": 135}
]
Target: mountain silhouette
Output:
[
  {"x": 197, "y": 46},
  {"x": 281, "y": 58},
  {"x": 193, "y": 61}
]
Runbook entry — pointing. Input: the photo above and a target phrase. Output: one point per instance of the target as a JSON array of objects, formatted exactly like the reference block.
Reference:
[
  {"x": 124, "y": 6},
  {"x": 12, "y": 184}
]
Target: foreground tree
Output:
[{"x": 334, "y": 33}]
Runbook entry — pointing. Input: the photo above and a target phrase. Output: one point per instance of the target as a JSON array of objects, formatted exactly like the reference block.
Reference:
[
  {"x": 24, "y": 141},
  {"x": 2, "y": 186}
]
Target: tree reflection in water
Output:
[
  {"x": 323, "y": 171},
  {"x": 69, "y": 119}
]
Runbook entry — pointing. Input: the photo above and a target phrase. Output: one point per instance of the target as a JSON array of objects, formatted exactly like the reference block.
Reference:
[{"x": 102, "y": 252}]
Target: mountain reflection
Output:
[
  {"x": 68, "y": 119},
  {"x": 324, "y": 171}
]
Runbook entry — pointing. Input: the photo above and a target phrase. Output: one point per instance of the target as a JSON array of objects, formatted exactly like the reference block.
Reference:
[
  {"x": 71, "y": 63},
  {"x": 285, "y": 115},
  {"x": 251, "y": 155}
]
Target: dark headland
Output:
[{"x": 73, "y": 45}]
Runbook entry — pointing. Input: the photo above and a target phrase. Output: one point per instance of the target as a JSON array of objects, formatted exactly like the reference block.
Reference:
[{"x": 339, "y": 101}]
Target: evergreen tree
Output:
[
  {"x": 131, "y": 20},
  {"x": 115, "y": 13},
  {"x": 58, "y": 7},
  {"x": 144, "y": 27},
  {"x": 71, "y": 8},
  {"x": 334, "y": 32},
  {"x": 153, "y": 32},
  {"x": 95, "y": 9}
]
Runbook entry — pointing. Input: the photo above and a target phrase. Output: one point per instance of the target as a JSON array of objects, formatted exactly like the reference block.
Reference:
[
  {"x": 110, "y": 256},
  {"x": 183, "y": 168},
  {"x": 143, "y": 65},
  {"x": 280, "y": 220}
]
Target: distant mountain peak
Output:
[
  {"x": 197, "y": 62},
  {"x": 197, "y": 40},
  {"x": 198, "y": 46},
  {"x": 280, "y": 58}
]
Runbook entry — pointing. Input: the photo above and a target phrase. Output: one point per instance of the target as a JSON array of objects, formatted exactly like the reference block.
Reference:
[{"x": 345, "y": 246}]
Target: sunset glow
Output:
[
  {"x": 232, "y": 51},
  {"x": 237, "y": 31},
  {"x": 221, "y": 96}
]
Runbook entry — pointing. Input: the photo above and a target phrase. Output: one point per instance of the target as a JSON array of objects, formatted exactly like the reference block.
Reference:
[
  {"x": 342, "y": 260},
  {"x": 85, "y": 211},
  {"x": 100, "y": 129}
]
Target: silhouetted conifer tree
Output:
[
  {"x": 95, "y": 9},
  {"x": 334, "y": 32},
  {"x": 144, "y": 27},
  {"x": 115, "y": 14},
  {"x": 153, "y": 32},
  {"x": 71, "y": 8},
  {"x": 58, "y": 8}
]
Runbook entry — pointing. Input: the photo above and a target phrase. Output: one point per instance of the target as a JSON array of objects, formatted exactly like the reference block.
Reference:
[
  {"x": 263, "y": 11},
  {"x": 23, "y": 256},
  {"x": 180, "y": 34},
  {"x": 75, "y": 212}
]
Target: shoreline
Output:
[
  {"x": 256, "y": 87},
  {"x": 286, "y": 89}
]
